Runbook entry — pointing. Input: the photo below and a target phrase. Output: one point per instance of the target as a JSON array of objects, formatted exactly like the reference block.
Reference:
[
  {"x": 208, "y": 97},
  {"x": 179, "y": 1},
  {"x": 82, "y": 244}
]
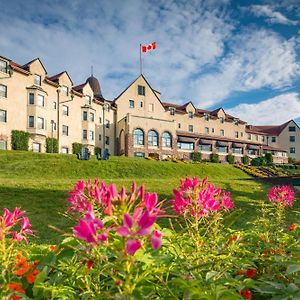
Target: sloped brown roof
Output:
[
  {"x": 265, "y": 147},
  {"x": 79, "y": 88},
  {"x": 268, "y": 129}
]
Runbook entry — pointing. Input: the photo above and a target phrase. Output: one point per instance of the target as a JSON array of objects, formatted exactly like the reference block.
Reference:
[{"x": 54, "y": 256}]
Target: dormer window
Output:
[
  {"x": 37, "y": 80},
  {"x": 88, "y": 100},
  {"x": 3, "y": 66},
  {"x": 191, "y": 115},
  {"x": 141, "y": 90},
  {"x": 172, "y": 111},
  {"x": 206, "y": 117},
  {"x": 222, "y": 120},
  {"x": 131, "y": 103},
  {"x": 65, "y": 90},
  {"x": 236, "y": 121}
]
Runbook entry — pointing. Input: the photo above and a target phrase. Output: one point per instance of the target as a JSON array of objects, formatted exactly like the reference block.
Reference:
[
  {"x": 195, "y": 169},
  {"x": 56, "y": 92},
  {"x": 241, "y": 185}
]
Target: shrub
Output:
[
  {"x": 269, "y": 158},
  {"x": 51, "y": 145},
  {"x": 97, "y": 150},
  {"x": 258, "y": 161},
  {"x": 230, "y": 159},
  {"x": 291, "y": 160},
  {"x": 196, "y": 156},
  {"x": 214, "y": 158},
  {"x": 246, "y": 160},
  {"x": 76, "y": 148},
  {"x": 19, "y": 140}
]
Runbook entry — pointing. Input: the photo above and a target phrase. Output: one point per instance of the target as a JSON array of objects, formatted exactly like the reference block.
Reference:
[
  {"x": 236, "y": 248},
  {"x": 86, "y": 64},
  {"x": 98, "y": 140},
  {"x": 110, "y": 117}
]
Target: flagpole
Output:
[{"x": 141, "y": 58}]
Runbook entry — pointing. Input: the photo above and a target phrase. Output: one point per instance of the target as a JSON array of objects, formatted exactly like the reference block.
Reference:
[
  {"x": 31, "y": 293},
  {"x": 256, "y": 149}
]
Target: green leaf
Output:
[
  {"x": 210, "y": 275},
  {"x": 292, "y": 269}
]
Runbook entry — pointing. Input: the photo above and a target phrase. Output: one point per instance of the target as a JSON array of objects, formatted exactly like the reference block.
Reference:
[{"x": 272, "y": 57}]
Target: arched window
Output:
[
  {"x": 166, "y": 140},
  {"x": 153, "y": 138},
  {"x": 138, "y": 137}
]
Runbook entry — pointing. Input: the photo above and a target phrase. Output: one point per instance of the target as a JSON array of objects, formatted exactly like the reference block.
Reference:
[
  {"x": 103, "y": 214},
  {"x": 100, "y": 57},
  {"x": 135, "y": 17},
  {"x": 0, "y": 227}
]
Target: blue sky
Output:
[{"x": 240, "y": 55}]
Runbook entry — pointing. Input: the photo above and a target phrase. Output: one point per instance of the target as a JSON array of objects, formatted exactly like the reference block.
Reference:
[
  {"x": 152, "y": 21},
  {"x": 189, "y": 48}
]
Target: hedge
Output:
[
  {"x": 214, "y": 157},
  {"x": 51, "y": 145},
  {"x": 19, "y": 140},
  {"x": 76, "y": 148},
  {"x": 196, "y": 156},
  {"x": 246, "y": 160},
  {"x": 230, "y": 159}
]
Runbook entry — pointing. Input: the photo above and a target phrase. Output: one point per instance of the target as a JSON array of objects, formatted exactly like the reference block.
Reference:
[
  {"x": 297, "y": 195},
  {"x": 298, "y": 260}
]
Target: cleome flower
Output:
[{"x": 283, "y": 195}]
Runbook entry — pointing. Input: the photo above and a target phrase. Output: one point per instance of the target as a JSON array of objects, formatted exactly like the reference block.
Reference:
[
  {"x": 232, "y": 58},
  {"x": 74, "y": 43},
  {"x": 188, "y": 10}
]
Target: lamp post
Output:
[
  {"x": 104, "y": 107},
  {"x": 58, "y": 114}
]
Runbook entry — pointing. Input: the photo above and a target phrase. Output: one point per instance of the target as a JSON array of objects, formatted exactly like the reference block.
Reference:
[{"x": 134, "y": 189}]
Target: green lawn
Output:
[{"x": 39, "y": 184}]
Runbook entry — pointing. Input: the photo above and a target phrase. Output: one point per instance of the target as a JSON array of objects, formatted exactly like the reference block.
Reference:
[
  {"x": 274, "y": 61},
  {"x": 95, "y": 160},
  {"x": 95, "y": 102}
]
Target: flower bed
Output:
[{"x": 118, "y": 250}]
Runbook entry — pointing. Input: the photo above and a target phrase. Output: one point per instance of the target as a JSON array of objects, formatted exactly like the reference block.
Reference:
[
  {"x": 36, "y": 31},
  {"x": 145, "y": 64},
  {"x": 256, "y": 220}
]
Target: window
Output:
[
  {"x": 3, "y": 116},
  {"x": 31, "y": 98},
  {"x": 191, "y": 128},
  {"x": 91, "y": 135},
  {"x": 138, "y": 137},
  {"x": 166, "y": 140},
  {"x": 191, "y": 115},
  {"x": 54, "y": 105},
  {"x": 139, "y": 154},
  {"x": 222, "y": 120},
  {"x": 236, "y": 134},
  {"x": 88, "y": 100},
  {"x": 206, "y": 117},
  {"x": 213, "y": 130},
  {"x": 249, "y": 136},
  {"x": 141, "y": 90},
  {"x": 84, "y": 134},
  {"x": 31, "y": 121},
  {"x": 292, "y": 150},
  {"x": 151, "y": 107},
  {"x": 99, "y": 137},
  {"x": 292, "y": 138},
  {"x": 222, "y": 149},
  {"x": 273, "y": 139},
  {"x": 141, "y": 104},
  {"x": 206, "y": 130},
  {"x": 172, "y": 111},
  {"x": 222, "y": 132},
  {"x": 65, "y": 110},
  {"x": 107, "y": 123},
  {"x": 3, "y": 66},
  {"x": 242, "y": 134},
  {"x": 65, "y": 90},
  {"x": 292, "y": 128},
  {"x": 3, "y": 145},
  {"x": 237, "y": 150},
  {"x": 36, "y": 147},
  {"x": 41, "y": 100},
  {"x": 92, "y": 117},
  {"x": 131, "y": 103},
  {"x": 153, "y": 138},
  {"x": 204, "y": 147},
  {"x": 185, "y": 146},
  {"x": 236, "y": 121},
  {"x": 64, "y": 150},
  {"x": 100, "y": 120},
  {"x": 107, "y": 140},
  {"x": 65, "y": 130},
  {"x": 3, "y": 91},
  {"x": 263, "y": 138},
  {"x": 179, "y": 125},
  {"x": 256, "y": 137},
  {"x": 40, "y": 123},
  {"x": 53, "y": 125},
  {"x": 84, "y": 115},
  {"x": 37, "y": 79}
]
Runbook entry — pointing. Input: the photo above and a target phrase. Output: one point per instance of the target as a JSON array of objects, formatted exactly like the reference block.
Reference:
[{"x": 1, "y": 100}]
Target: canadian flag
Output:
[{"x": 149, "y": 47}]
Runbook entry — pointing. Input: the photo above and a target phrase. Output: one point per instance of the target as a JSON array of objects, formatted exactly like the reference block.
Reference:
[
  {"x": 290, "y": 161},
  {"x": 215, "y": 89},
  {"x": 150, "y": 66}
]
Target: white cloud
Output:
[
  {"x": 271, "y": 15},
  {"x": 274, "y": 111}
]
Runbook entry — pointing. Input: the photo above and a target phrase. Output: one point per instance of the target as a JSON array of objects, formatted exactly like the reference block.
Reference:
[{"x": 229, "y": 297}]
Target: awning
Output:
[
  {"x": 222, "y": 144},
  {"x": 185, "y": 139},
  {"x": 253, "y": 147},
  {"x": 237, "y": 145},
  {"x": 205, "y": 142}
]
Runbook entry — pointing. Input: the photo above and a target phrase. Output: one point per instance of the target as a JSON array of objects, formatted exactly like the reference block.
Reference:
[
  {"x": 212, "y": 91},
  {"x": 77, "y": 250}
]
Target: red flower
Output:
[
  {"x": 17, "y": 287},
  {"x": 31, "y": 276},
  {"x": 251, "y": 273},
  {"x": 293, "y": 227},
  {"x": 246, "y": 294}
]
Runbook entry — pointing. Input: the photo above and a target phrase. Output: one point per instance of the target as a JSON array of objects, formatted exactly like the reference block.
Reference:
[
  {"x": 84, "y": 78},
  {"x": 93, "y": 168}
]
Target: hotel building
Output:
[{"x": 137, "y": 123}]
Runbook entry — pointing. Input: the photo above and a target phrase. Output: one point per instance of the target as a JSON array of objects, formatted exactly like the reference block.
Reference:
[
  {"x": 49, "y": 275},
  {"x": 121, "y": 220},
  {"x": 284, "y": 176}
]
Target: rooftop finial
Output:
[{"x": 92, "y": 71}]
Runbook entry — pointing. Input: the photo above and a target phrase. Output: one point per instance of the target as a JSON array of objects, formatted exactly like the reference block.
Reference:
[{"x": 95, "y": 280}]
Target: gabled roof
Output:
[
  {"x": 79, "y": 88},
  {"x": 26, "y": 66},
  {"x": 56, "y": 77},
  {"x": 116, "y": 99},
  {"x": 270, "y": 129}
]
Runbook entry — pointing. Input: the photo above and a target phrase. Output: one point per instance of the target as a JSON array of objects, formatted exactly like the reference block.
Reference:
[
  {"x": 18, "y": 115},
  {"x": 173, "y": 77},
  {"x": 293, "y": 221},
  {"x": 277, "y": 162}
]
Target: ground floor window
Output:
[
  {"x": 205, "y": 147},
  {"x": 252, "y": 152},
  {"x": 139, "y": 154},
  {"x": 185, "y": 146},
  {"x": 222, "y": 149},
  {"x": 2, "y": 145},
  {"x": 64, "y": 150},
  {"x": 237, "y": 150},
  {"x": 36, "y": 147}
]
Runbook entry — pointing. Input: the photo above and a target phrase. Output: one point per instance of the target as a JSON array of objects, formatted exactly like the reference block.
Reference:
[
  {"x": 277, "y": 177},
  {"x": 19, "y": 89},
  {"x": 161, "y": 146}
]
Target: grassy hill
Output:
[{"x": 39, "y": 183}]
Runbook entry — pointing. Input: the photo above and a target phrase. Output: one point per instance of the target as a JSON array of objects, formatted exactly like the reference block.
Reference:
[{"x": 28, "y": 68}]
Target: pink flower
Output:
[
  {"x": 282, "y": 194},
  {"x": 132, "y": 246},
  {"x": 156, "y": 240},
  {"x": 12, "y": 218}
]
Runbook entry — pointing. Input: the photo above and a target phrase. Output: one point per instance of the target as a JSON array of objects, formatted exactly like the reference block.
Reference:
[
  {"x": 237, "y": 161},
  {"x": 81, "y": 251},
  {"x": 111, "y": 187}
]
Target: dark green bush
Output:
[
  {"x": 246, "y": 160},
  {"x": 97, "y": 150},
  {"x": 196, "y": 156},
  {"x": 291, "y": 160},
  {"x": 76, "y": 148},
  {"x": 19, "y": 140},
  {"x": 214, "y": 158},
  {"x": 231, "y": 159},
  {"x": 51, "y": 145},
  {"x": 259, "y": 161},
  {"x": 269, "y": 158}
]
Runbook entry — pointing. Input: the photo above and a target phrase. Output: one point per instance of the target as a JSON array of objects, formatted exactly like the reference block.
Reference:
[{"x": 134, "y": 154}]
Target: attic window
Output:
[
  {"x": 37, "y": 79},
  {"x": 141, "y": 90},
  {"x": 88, "y": 100},
  {"x": 206, "y": 117},
  {"x": 236, "y": 121},
  {"x": 172, "y": 111},
  {"x": 222, "y": 120},
  {"x": 3, "y": 66},
  {"x": 191, "y": 115},
  {"x": 65, "y": 90}
]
